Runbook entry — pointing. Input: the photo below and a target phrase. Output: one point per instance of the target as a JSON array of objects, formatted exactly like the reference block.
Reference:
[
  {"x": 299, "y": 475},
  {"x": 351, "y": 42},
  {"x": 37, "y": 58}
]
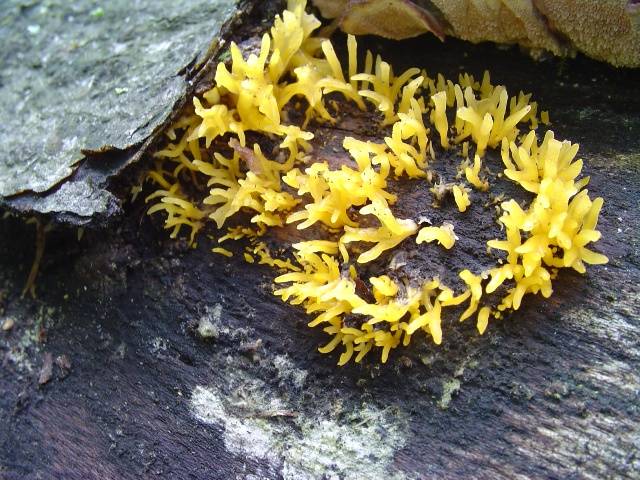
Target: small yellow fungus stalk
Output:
[
  {"x": 222, "y": 251},
  {"x": 440, "y": 117},
  {"x": 473, "y": 174},
  {"x": 211, "y": 170},
  {"x": 474, "y": 285},
  {"x": 461, "y": 197},
  {"x": 180, "y": 211},
  {"x": 485, "y": 120},
  {"x": 443, "y": 235},
  {"x": 384, "y": 237}
]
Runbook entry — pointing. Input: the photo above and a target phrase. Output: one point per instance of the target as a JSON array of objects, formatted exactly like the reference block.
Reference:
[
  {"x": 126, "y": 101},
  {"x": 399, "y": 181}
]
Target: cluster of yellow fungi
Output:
[{"x": 296, "y": 70}]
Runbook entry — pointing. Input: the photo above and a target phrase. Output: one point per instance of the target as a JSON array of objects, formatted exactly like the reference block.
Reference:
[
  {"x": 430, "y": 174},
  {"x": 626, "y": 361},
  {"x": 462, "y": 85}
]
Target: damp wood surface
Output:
[{"x": 552, "y": 391}]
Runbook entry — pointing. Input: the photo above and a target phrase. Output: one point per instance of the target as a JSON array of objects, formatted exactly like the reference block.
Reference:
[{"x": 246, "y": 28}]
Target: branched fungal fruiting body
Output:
[{"x": 352, "y": 204}]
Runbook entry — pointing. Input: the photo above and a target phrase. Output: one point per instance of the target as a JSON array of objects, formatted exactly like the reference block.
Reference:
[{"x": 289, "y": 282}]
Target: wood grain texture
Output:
[{"x": 551, "y": 392}]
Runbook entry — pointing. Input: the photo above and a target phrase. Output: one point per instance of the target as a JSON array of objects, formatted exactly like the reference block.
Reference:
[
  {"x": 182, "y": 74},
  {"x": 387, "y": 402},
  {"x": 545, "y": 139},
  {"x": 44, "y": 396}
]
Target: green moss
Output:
[{"x": 449, "y": 388}]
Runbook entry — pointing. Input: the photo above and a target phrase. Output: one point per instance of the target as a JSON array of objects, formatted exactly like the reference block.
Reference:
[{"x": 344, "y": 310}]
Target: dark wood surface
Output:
[{"x": 550, "y": 392}]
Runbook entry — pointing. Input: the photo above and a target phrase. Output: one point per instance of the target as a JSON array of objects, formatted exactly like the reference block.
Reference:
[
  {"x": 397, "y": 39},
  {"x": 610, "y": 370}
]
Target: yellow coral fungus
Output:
[
  {"x": 222, "y": 251},
  {"x": 485, "y": 119},
  {"x": 443, "y": 235},
  {"x": 180, "y": 211},
  {"x": 385, "y": 237},
  {"x": 474, "y": 284},
  {"x": 212, "y": 169},
  {"x": 440, "y": 117},
  {"x": 264, "y": 258},
  {"x": 483, "y": 319},
  {"x": 383, "y": 286},
  {"x": 473, "y": 174},
  {"x": 461, "y": 196}
]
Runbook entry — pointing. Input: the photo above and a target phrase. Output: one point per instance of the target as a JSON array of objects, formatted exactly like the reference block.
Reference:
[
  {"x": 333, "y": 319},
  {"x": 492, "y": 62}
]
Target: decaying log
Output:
[{"x": 171, "y": 362}]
